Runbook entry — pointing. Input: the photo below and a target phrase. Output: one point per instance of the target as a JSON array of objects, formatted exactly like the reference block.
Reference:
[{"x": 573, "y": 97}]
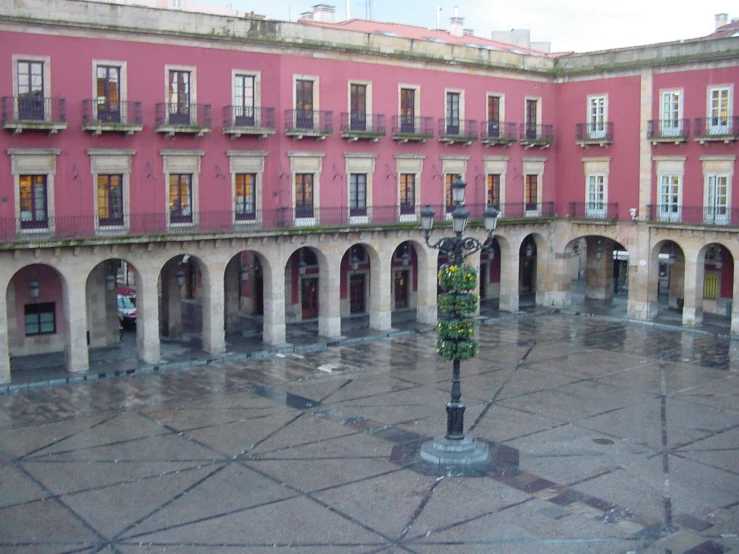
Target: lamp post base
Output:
[{"x": 447, "y": 452}]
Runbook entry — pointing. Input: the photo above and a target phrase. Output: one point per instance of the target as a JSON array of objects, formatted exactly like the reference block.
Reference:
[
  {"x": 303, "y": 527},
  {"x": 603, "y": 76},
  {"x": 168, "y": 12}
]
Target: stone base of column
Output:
[
  {"x": 428, "y": 315},
  {"x": 274, "y": 335},
  {"x": 329, "y": 327},
  {"x": 380, "y": 320},
  {"x": 641, "y": 310},
  {"x": 735, "y": 325},
  {"x": 556, "y": 299},
  {"x": 508, "y": 303},
  {"x": 446, "y": 452},
  {"x": 691, "y": 316}
]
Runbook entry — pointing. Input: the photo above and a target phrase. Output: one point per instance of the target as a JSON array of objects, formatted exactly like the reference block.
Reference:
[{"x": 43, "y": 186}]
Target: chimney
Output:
[
  {"x": 468, "y": 32},
  {"x": 306, "y": 16},
  {"x": 323, "y": 13},
  {"x": 456, "y": 24},
  {"x": 721, "y": 20}
]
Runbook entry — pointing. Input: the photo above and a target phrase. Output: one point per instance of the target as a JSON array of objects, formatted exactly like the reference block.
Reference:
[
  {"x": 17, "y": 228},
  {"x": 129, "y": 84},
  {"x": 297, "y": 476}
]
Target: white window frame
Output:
[
  {"x": 112, "y": 161},
  {"x": 722, "y": 124},
  {"x": 497, "y": 165},
  {"x": 360, "y": 163},
  {"x": 46, "y": 60},
  {"x": 183, "y": 162},
  {"x": 409, "y": 164},
  {"x": 193, "y": 100},
  {"x": 257, "y": 75},
  {"x": 316, "y": 100},
  {"x": 247, "y": 161},
  {"x": 34, "y": 161},
  {"x": 306, "y": 162},
  {"x": 461, "y": 122},
  {"x": 597, "y": 116},
  {"x": 596, "y": 195},
  {"x": 534, "y": 166},
  {"x": 416, "y": 103},
  {"x": 368, "y": 100},
  {"x": 122, "y": 87},
  {"x": 717, "y": 168},
  {"x": 670, "y": 123},
  {"x": 671, "y": 209}
]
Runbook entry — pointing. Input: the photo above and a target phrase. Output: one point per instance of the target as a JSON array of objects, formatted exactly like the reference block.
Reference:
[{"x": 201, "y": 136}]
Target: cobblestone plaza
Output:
[{"x": 606, "y": 436}]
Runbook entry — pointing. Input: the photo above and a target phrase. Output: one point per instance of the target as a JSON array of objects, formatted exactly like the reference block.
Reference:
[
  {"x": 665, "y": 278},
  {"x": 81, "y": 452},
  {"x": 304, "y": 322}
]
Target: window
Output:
[
  {"x": 40, "y": 319},
  {"x": 671, "y": 113},
  {"x": 358, "y": 194},
  {"x": 244, "y": 100},
  {"x": 30, "y": 90},
  {"x": 304, "y": 104},
  {"x": 449, "y": 178},
  {"x": 33, "y": 196},
  {"x": 532, "y": 118},
  {"x": 407, "y": 193},
  {"x": 110, "y": 200},
  {"x": 596, "y": 197},
  {"x": 494, "y": 116},
  {"x": 716, "y": 208},
  {"x": 719, "y": 110},
  {"x": 407, "y": 110},
  {"x": 245, "y": 196},
  {"x": 358, "y": 107},
  {"x": 180, "y": 198},
  {"x": 452, "y": 113},
  {"x": 108, "y": 100},
  {"x": 531, "y": 193},
  {"x": 179, "y": 97},
  {"x": 493, "y": 190},
  {"x": 304, "y": 195},
  {"x": 670, "y": 188},
  {"x": 597, "y": 115}
]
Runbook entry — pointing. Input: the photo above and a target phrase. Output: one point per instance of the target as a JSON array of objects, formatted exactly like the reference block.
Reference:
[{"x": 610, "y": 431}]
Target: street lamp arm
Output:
[{"x": 458, "y": 248}]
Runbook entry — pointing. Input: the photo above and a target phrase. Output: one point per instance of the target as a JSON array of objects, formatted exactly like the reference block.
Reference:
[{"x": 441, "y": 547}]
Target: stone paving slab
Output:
[{"x": 606, "y": 437}]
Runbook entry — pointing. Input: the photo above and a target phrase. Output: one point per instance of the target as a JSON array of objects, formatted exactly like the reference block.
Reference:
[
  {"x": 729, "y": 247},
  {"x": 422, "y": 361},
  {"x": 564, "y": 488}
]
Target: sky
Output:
[{"x": 571, "y": 25}]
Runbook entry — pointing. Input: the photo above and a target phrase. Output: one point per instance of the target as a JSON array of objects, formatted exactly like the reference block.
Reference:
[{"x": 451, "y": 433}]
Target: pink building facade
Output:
[{"x": 277, "y": 171}]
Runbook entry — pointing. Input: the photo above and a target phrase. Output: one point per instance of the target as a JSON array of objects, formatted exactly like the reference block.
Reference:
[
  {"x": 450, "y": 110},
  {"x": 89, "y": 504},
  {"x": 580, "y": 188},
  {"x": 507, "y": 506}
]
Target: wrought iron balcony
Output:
[
  {"x": 412, "y": 129},
  {"x": 34, "y": 113},
  {"x": 716, "y": 129},
  {"x": 499, "y": 133},
  {"x": 594, "y": 134},
  {"x": 697, "y": 215},
  {"x": 536, "y": 135},
  {"x": 593, "y": 210},
  {"x": 102, "y": 115},
  {"x": 193, "y": 119},
  {"x": 362, "y": 126},
  {"x": 317, "y": 124},
  {"x": 462, "y": 131},
  {"x": 668, "y": 130},
  {"x": 245, "y": 120}
]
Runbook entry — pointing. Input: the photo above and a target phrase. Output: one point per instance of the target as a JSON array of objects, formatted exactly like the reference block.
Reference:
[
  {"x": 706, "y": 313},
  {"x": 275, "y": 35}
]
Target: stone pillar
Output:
[
  {"x": 274, "y": 303},
  {"x": 599, "y": 270},
  {"x": 4, "y": 351},
  {"x": 734, "y": 303},
  {"x": 427, "y": 307},
  {"x": 214, "y": 335},
  {"x": 171, "y": 302},
  {"x": 380, "y": 293},
  {"x": 329, "y": 298},
  {"x": 693, "y": 293},
  {"x": 643, "y": 277},
  {"x": 560, "y": 281},
  {"x": 102, "y": 309},
  {"x": 677, "y": 282},
  {"x": 147, "y": 317},
  {"x": 509, "y": 280},
  {"x": 233, "y": 295},
  {"x": 75, "y": 323}
]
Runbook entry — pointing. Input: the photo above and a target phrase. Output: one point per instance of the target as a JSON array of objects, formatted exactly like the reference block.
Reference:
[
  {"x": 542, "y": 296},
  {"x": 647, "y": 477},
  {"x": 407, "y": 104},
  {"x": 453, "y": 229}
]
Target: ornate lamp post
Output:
[{"x": 459, "y": 305}]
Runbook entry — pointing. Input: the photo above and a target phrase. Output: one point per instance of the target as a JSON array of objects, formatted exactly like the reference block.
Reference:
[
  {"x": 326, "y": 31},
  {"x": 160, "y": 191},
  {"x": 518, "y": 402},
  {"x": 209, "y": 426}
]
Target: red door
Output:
[{"x": 309, "y": 298}]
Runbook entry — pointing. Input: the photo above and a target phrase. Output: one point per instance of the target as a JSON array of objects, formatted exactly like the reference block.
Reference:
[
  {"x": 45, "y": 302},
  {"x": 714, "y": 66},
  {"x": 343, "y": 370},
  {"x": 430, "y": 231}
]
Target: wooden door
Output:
[
  {"x": 309, "y": 298},
  {"x": 401, "y": 289},
  {"x": 356, "y": 294}
]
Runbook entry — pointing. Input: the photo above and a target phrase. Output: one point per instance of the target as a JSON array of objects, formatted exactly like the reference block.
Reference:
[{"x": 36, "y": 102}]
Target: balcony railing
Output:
[
  {"x": 699, "y": 215},
  {"x": 536, "y": 135},
  {"x": 594, "y": 133},
  {"x": 668, "y": 130},
  {"x": 183, "y": 118},
  {"x": 88, "y": 227},
  {"x": 594, "y": 210},
  {"x": 725, "y": 129},
  {"x": 457, "y": 130},
  {"x": 246, "y": 120},
  {"x": 358, "y": 125},
  {"x": 497, "y": 132},
  {"x": 309, "y": 123},
  {"x": 418, "y": 129},
  {"x": 99, "y": 116},
  {"x": 21, "y": 113}
]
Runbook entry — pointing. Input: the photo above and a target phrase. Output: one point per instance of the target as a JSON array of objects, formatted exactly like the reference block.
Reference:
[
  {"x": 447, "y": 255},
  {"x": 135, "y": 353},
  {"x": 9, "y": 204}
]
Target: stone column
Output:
[
  {"x": 232, "y": 294},
  {"x": 329, "y": 298},
  {"x": 643, "y": 277},
  {"x": 171, "y": 302},
  {"x": 147, "y": 317},
  {"x": 509, "y": 262},
  {"x": 380, "y": 293},
  {"x": 274, "y": 303},
  {"x": 102, "y": 309},
  {"x": 4, "y": 351},
  {"x": 677, "y": 281},
  {"x": 734, "y": 302},
  {"x": 427, "y": 306},
  {"x": 214, "y": 335},
  {"x": 75, "y": 322},
  {"x": 693, "y": 293},
  {"x": 560, "y": 282},
  {"x": 599, "y": 270}
]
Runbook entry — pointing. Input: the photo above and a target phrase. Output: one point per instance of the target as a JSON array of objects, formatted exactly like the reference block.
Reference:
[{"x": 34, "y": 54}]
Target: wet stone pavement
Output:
[{"x": 606, "y": 437}]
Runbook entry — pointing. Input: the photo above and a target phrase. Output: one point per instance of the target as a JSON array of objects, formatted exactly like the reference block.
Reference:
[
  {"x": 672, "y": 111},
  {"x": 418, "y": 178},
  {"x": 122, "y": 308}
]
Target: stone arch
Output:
[
  {"x": 533, "y": 274},
  {"x": 709, "y": 283},
  {"x": 594, "y": 259},
  {"x": 667, "y": 274}
]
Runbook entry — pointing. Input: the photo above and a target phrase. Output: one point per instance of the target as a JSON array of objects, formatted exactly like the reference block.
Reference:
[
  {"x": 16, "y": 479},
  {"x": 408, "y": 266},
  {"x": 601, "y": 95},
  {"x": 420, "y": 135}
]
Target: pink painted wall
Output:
[{"x": 623, "y": 110}]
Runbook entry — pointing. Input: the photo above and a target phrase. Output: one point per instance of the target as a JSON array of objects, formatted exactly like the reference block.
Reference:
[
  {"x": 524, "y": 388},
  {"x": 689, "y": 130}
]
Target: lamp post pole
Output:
[{"x": 454, "y": 448}]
